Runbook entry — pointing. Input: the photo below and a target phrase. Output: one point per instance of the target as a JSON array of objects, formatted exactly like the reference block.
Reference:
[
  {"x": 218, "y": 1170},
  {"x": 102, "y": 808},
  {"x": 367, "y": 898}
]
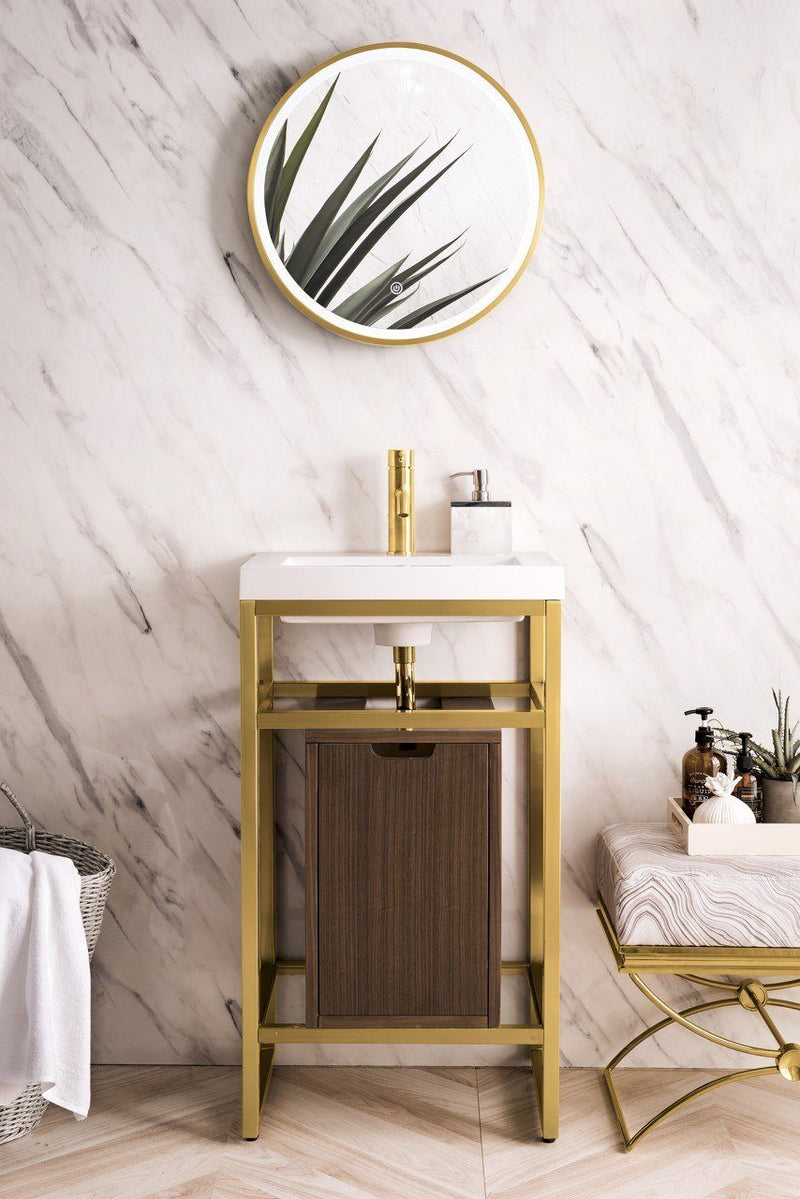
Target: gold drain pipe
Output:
[{"x": 404, "y": 658}]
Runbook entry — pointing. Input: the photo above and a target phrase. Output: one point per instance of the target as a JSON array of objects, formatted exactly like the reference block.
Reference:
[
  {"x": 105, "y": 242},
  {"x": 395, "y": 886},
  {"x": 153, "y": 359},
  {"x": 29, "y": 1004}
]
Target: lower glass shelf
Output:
[{"x": 301, "y": 1034}]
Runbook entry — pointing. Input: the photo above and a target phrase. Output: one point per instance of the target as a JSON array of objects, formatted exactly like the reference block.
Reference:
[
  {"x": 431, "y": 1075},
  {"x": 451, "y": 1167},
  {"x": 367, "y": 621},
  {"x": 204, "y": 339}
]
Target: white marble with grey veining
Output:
[{"x": 165, "y": 413}]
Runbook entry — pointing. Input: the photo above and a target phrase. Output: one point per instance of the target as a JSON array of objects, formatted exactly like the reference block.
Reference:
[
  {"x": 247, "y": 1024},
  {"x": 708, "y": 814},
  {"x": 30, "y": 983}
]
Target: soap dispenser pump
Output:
[
  {"x": 747, "y": 789},
  {"x": 700, "y": 762},
  {"x": 479, "y": 525}
]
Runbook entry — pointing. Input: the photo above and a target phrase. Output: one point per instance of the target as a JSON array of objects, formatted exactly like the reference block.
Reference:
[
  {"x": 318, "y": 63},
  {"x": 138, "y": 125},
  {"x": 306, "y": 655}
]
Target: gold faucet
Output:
[
  {"x": 401, "y": 501},
  {"x": 401, "y": 541}
]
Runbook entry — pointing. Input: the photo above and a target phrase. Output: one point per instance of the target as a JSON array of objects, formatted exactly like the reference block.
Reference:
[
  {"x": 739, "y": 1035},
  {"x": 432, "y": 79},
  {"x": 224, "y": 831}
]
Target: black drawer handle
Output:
[{"x": 399, "y": 750}]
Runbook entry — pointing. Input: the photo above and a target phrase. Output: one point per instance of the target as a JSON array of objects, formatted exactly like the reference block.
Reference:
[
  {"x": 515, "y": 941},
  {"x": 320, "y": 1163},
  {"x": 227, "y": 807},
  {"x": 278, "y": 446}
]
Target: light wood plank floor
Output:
[{"x": 171, "y": 1133}]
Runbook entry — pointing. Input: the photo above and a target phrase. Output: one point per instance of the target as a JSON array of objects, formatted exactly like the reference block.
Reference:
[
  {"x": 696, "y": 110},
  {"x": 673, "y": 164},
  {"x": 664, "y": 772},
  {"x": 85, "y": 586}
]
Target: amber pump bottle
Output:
[
  {"x": 699, "y": 761},
  {"x": 747, "y": 789}
]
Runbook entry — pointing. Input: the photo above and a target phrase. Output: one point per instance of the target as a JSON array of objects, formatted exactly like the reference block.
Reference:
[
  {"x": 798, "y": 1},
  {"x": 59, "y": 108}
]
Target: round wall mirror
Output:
[{"x": 395, "y": 193}]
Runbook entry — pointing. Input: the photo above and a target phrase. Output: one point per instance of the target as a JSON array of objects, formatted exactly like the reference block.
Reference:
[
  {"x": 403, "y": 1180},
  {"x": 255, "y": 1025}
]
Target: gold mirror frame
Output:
[{"x": 262, "y": 250}]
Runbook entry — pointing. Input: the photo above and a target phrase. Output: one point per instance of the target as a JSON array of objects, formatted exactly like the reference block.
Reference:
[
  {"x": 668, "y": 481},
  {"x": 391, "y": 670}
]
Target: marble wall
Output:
[{"x": 165, "y": 413}]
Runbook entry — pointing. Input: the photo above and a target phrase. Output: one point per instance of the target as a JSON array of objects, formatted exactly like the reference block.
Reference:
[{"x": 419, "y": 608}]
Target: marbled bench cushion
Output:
[{"x": 657, "y": 895}]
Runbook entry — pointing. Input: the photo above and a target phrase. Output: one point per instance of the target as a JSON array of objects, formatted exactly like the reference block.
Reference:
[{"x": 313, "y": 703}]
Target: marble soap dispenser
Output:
[{"x": 479, "y": 525}]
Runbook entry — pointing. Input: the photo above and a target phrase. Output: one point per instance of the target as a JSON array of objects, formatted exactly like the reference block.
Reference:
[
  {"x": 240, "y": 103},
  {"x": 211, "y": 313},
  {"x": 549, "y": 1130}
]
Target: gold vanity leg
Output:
[
  {"x": 268, "y": 992},
  {"x": 258, "y": 880},
  {"x": 544, "y": 858}
]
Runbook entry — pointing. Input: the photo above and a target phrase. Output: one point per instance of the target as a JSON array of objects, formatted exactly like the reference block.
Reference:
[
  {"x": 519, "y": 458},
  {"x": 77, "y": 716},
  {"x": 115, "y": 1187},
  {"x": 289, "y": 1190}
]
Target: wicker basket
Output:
[{"x": 96, "y": 871}]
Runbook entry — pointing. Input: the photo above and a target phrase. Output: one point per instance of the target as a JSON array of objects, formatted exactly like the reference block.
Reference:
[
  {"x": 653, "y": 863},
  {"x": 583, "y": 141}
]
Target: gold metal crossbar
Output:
[
  {"x": 299, "y": 1034},
  {"x": 369, "y": 609},
  {"x": 749, "y": 993}
]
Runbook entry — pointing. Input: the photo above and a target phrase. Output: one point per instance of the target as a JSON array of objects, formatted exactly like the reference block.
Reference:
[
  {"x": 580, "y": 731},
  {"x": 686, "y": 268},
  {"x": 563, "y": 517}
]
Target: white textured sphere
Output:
[{"x": 724, "y": 809}]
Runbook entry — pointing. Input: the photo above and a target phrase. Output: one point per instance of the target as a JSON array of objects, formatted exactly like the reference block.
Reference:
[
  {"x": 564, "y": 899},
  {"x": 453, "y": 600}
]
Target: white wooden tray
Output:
[{"x": 733, "y": 840}]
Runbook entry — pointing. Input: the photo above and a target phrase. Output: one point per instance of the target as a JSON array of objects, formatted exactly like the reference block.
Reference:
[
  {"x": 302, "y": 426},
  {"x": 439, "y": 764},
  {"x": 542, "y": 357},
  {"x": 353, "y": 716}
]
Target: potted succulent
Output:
[{"x": 779, "y": 767}]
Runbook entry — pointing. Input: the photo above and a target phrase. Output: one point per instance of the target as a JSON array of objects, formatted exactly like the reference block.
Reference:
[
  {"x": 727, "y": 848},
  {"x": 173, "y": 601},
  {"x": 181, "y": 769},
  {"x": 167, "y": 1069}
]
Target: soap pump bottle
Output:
[
  {"x": 699, "y": 762},
  {"x": 747, "y": 789},
  {"x": 479, "y": 525}
]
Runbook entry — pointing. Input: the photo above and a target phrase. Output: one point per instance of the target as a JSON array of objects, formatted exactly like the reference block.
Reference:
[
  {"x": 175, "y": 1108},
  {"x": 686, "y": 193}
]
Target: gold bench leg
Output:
[
  {"x": 749, "y": 994},
  {"x": 631, "y": 1140}
]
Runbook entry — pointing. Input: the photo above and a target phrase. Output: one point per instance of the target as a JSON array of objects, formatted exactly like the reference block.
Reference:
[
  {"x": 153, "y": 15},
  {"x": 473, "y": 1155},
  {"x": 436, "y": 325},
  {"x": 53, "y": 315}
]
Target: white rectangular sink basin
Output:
[
  {"x": 399, "y": 560},
  {"x": 286, "y": 576}
]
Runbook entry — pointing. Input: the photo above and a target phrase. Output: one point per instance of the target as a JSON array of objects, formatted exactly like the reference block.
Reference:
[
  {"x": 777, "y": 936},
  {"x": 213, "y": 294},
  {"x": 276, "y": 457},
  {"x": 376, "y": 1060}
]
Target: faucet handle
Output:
[
  {"x": 402, "y": 502},
  {"x": 480, "y": 482}
]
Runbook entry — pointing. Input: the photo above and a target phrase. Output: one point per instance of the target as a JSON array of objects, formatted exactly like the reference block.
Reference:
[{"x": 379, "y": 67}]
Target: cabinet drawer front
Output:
[{"x": 403, "y": 892}]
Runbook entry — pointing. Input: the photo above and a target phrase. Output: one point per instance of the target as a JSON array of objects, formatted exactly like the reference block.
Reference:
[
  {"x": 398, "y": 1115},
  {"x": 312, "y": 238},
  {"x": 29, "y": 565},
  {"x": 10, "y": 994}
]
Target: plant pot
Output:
[{"x": 779, "y": 802}]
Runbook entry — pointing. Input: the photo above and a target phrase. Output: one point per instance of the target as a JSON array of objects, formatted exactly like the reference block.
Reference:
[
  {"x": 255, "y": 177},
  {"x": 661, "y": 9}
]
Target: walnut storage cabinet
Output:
[{"x": 403, "y": 878}]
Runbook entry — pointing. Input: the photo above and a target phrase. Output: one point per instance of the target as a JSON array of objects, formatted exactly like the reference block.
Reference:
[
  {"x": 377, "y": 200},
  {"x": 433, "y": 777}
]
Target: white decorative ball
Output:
[{"x": 724, "y": 809}]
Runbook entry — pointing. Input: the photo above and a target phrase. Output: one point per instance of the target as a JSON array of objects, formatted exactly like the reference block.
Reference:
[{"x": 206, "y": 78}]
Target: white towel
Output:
[{"x": 44, "y": 981}]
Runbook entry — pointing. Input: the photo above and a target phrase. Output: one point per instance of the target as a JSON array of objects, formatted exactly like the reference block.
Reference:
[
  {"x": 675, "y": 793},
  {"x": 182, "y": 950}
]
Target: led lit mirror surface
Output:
[{"x": 395, "y": 194}]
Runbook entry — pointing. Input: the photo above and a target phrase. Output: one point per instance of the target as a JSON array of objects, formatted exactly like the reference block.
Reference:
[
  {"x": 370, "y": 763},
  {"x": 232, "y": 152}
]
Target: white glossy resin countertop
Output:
[{"x": 303, "y": 576}]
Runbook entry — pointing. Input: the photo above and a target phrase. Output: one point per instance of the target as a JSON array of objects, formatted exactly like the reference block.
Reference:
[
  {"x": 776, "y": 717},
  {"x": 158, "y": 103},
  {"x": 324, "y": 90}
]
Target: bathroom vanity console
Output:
[{"x": 422, "y": 594}]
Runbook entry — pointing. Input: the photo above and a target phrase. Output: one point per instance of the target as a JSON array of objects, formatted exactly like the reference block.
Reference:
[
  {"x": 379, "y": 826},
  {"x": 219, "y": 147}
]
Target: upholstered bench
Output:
[{"x": 664, "y": 912}]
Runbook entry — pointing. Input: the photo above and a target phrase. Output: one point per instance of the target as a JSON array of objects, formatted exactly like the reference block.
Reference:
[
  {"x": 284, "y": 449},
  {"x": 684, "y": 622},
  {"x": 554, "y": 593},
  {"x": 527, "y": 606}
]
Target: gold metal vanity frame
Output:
[
  {"x": 695, "y": 964},
  {"x": 540, "y": 714}
]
